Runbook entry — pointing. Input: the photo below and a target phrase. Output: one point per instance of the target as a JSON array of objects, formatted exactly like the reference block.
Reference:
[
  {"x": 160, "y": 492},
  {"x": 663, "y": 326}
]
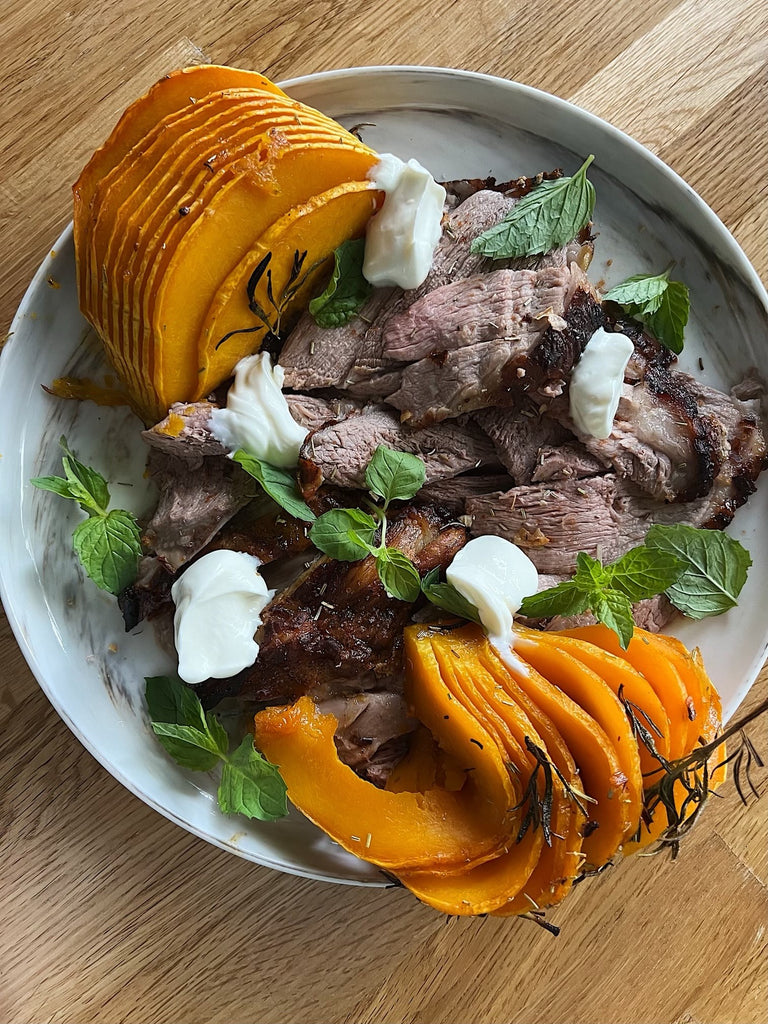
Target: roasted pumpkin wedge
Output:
[
  {"x": 179, "y": 294},
  {"x": 190, "y": 180},
  {"x": 307, "y": 236},
  {"x": 559, "y": 863},
  {"x": 435, "y": 829},
  {"x": 604, "y": 782},
  {"x": 590, "y": 691},
  {"x": 499, "y": 882},
  {"x": 632, "y": 688},
  {"x": 660, "y": 673},
  {"x": 161, "y": 172},
  {"x": 171, "y": 93}
]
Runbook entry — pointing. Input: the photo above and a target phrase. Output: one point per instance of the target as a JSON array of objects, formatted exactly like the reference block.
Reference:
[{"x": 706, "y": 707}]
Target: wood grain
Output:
[{"x": 109, "y": 912}]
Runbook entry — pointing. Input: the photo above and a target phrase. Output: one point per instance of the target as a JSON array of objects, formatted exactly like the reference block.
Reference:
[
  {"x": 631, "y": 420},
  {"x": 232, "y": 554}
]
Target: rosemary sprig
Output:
[
  {"x": 539, "y": 808},
  {"x": 537, "y": 916},
  {"x": 642, "y": 729},
  {"x": 273, "y": 322},
  {"x": 694, "y": 774}
]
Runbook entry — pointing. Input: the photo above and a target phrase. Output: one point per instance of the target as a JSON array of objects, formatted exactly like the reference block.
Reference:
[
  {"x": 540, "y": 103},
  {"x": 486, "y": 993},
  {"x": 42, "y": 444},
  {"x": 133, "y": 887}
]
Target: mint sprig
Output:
[
  {"x": 702, "y": 573},
  {"x": 663, "y": 306},
  {"x": 350, "y": 534},
  {"x": 107, "y": 543},
  {"x": 195, "y": 739},
  {"x": 347, "y": 291},
  {"x": 550, "y": 215},
  {"x": 278, "y": 483}
]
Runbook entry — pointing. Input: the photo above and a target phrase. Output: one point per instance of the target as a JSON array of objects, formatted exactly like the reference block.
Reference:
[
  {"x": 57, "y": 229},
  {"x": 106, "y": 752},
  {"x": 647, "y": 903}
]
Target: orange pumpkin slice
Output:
[
  {"x": 634, "y": 689},
  {"x": 435, "y": 829},
  {"x": 309, "y": 233},
  {"x": 592, "y": 693},
  {"x": 176, "y": 296},
  {"x": 662, "y": 675},
  {"x": 601, "y": 772},
  {"x": 170, "y": 94}
]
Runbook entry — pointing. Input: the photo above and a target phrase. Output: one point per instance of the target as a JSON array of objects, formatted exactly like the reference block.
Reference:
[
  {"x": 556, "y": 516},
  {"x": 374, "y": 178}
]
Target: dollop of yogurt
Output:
[
  {"x": 401, "y": 238},
  {"x": 597, "y": 381},
  {"x": 219, "y": 601},
  {"x": 257, "y": 417},
  {"x": 494, "y": 575}
]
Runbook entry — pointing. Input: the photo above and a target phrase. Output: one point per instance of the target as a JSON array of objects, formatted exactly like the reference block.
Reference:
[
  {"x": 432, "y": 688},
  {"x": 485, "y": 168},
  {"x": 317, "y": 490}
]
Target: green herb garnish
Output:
[
  {"x": 196, "y": 739},
  {"x": 350, "y": 534},
  {"x": 715, "y": 570},
  {"x": 701, "y": 572},
  {"x": 662, "y": 305},
  {"x": 279, "y": 484},
  {"x": 107, "y": 543},
  {"x": 347, "y": 291},
  {"x": 548, "y": 217}
]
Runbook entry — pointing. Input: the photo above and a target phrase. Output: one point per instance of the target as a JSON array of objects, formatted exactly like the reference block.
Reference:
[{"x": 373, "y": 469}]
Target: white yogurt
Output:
[
  {"x": 596, "y": 382},
  {"x": 401, "y": 238},
  {"x": 494, "y": 575},
  {"x": 219, "y": 601},
  {"x": 257, "y": 417}
]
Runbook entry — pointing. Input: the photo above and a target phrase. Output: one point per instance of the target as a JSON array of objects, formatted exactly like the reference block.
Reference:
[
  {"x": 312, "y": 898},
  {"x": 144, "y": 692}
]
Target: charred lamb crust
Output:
[
  {"x": 459, "y": 190},
  {"x": 706, "y": 441},
  {"x": 550, "y": 363},
  {"x": 336, "y": 623},
  {"x": 150, "y": 596}
]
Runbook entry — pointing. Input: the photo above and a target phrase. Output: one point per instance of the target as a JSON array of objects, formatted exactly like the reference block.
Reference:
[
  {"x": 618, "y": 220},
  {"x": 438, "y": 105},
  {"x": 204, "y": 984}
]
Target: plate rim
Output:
[{"x": 713, "y": 222}]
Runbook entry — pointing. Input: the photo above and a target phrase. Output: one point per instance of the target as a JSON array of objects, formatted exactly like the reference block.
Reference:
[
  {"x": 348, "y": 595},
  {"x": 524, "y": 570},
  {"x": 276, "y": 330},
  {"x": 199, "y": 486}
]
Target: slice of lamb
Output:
[
  {"x": 538, "y": 360},
  {"x": 652, "y": 615},
  {"x": 553, "y": 524},
  {"x": 373, "y": 731},
  {"x": 351, "y": 355},
  {"x": 452, "y": 494},
  {"x": 185, "y": 433},
  {"x": 336, "y": 624},
  {"x": 520, "y": 433},
  {"x": 341, "y": 452},
  {"x": 672, "y": 434},
  {"x": 485, "y": 307},
  {"x": 567, "y": 461},
  {"x": 192, "y": 506}
]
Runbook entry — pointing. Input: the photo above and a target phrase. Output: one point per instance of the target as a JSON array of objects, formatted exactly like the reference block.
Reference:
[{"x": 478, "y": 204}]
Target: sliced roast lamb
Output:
[
  {"x": 373, "y": 731},
  {"x": 335, "y": 628},
  {"x": 352, "y": 356},
  {"x": 537, "y": 359},
  {"x": 520, "y": 433},
  {"x": 340, "y": 453}
]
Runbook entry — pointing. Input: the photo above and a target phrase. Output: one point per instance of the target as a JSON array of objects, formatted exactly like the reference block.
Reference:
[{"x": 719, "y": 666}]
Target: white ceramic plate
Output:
[{"x": 459, "y": 125}]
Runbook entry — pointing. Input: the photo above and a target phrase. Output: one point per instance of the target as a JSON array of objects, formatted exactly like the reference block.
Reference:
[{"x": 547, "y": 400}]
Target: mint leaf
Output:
[
  {"x": 251, "y": 785},
  {"x": 346, "y": 534},
  {"x": 662, "y": 305},
  {"x": 394, "y": 475},
  {"x": 108, "y": 544},
  {"x": 590, "y": 572},
  {"x": 109, "y": 548},
  {"x": 642, "y": 573},
  {"x": 643, "y": 291},
  {"x": 715, "y": 568},
  {"x": 667, "y": 323},
  {"x": 189, "y": 747},
  {"x": 347, "y": 291},
  {"x": 89, "y": 481},
  {"x": 566, "y": 598},
  {"x": 398, "y": 575},
  {"x": 279, "y": 484},
  {"x": 447, "y": 597},
  {"x": 194, "y": 739},
  {"x": 169, "y": 700},
  {"x": 548, "y": 217},
  {"x": 614, "y": 610}
]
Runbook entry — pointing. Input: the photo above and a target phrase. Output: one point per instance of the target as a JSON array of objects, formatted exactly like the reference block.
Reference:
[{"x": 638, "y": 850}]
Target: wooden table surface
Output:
[{"x": 108, "y": 912}]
